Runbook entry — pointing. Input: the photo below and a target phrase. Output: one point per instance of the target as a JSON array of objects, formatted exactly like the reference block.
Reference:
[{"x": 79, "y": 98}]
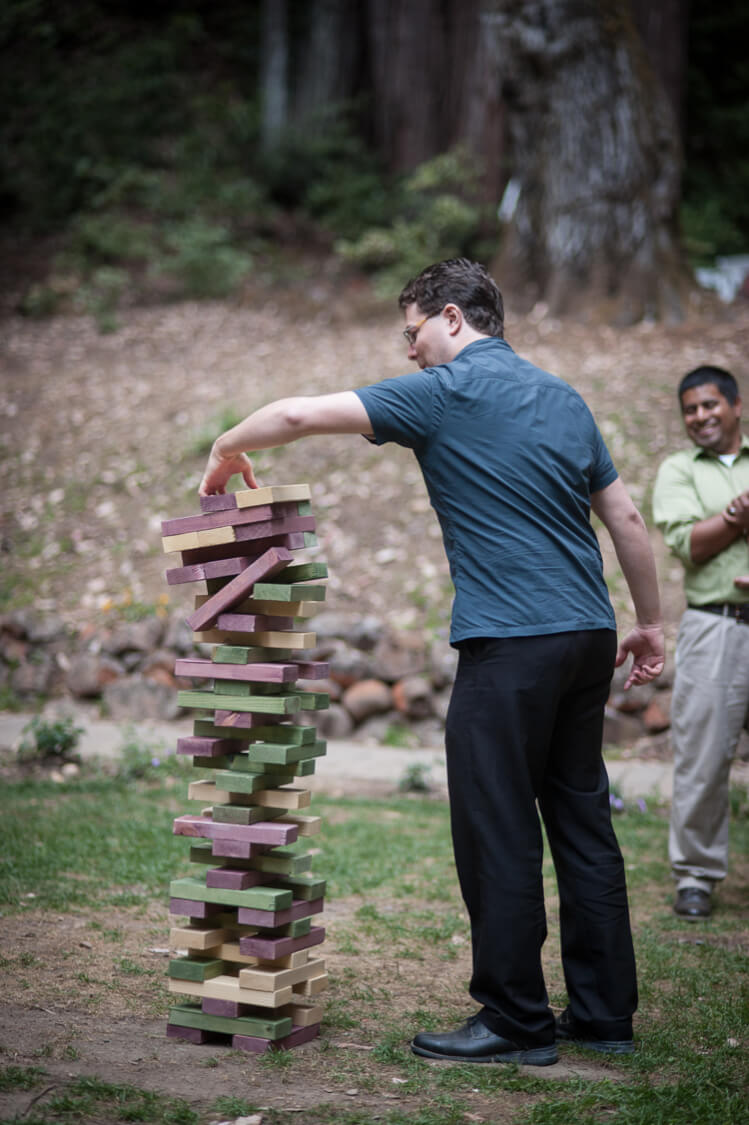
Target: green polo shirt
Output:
[{"x": 690, "y": 486}]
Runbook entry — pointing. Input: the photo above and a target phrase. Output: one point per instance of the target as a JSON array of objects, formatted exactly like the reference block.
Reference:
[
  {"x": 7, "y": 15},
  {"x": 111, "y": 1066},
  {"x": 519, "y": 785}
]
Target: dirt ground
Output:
[{"x": 102, "y": 437}]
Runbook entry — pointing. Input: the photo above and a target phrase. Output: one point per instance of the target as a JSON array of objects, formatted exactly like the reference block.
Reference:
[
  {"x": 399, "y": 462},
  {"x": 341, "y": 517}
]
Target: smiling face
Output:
[{"x": 711, "y": 421}]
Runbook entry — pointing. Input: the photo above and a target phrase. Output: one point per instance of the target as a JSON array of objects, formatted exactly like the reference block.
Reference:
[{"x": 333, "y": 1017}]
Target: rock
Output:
[
  {"x": 159, "y": 666},
  {"x": 620, "y": 729},
  {"x": 367, "y": 698},
  {"x": 89, "y": 672},
  {"x": 657, "y": 715},
  {"x": 440, "y": 705},
  {"x": 398, "y": 655},
  {"x": 348, "y": 665},
  {"x": 135, "y": 697},
  {"x": 13, "y": 649},
  {"x": 330, "y": 624},
  {"x": 366, "y": 633},
  {"x": 35, "y": 675},
  {"x": 335, "y": 722},
  {"x": 443, "y": 664},
  {"x": 634, "y": 700},
  {"x": 42, "y": 631},
  {"x": 379, "y": 729},
  {"x": 330, "y": 686},
  {"x": 134, "y": 636},
  {"x": 412, "y": 697}
]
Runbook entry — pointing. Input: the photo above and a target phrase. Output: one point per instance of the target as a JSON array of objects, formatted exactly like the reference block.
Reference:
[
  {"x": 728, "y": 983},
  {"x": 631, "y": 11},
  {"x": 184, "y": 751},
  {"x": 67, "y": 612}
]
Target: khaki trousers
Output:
[{"x": 709, "y": 708}]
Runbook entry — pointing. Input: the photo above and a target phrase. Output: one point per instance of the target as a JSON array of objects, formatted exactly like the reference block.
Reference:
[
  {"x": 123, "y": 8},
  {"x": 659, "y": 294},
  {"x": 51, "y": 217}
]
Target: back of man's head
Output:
[
  {"x": 460, "y": 282},
  {"x": 720, "y": 378}
]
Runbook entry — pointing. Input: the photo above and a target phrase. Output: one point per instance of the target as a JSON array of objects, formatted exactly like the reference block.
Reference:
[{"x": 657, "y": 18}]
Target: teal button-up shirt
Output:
[{"x": 690, "y": 486}]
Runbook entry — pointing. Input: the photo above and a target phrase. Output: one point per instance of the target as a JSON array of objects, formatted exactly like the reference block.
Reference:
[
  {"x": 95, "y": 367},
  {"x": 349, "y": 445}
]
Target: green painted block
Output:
[
  {"x": 276, "y": 592},
  {"x": 283, "y": 864},
  {"x": 203, "y": 853},
  {"x": 243, "y": 814},
  {"x": 206, "y": 728},
  {"x": 191, "y": 1015},
  {"x": 253, "y": 654},
  {"x": 310, "y": 539},
  {"x": 195, "y": 968},
  {"x": 305, "y": 768},
  {"x": 304, "y": 508},
  {"x": 211, "y": 763},
  {"x": 314, "y": 700},
  {"x": 233, "y": 782},
  {"x": 301, "y": 572},
  {"x": 257, "y": 898},
  {"x": 298, "y": 928},
  {"x": 263, "y": 704},
  {"x": 284, "y": 733},
  {"x": 306, "y": 886},
  {"x": 250, "y": 687}
]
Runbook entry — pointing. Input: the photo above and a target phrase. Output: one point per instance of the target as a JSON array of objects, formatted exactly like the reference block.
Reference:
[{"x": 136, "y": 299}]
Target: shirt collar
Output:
[{"x": 696, "y": 451}]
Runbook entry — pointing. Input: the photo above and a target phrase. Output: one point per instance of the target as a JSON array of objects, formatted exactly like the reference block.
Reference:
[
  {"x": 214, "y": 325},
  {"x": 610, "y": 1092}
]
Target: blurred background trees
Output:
[{"x": 171, "y": 147}]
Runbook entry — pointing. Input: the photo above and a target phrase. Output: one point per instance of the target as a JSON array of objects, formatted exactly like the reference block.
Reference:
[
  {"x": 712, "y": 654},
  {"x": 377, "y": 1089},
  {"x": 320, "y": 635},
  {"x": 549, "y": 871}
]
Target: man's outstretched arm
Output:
[
  {"x": 279, "y": 423},
  {"x": 614, "y": 507}
]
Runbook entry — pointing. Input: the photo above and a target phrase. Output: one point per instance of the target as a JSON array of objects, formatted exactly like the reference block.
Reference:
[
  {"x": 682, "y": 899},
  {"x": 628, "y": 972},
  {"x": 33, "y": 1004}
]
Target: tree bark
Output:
[
  {"x": 274, "y": 72},
  {"x": 329, "y": 59},
  {"x": 596, "y": 152}
]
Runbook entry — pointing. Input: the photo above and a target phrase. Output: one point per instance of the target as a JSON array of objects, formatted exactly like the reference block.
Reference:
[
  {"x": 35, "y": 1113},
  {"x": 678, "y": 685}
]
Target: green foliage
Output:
[
  {"x": 48, "y": 739},
  {"x": 20, "y": 1077},
  {"x": 435, "y": 215},
  {"x": 201, "y": 257}
]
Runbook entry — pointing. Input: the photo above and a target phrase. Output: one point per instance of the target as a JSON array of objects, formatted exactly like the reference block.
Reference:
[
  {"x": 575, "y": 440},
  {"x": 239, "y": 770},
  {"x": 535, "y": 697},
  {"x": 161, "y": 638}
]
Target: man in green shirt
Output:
[{"x": 701, "y": 504}]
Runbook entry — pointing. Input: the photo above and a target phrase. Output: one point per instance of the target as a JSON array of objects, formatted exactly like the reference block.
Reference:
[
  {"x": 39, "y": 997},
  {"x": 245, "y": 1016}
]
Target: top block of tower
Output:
[{"x": 250, "y": 497}]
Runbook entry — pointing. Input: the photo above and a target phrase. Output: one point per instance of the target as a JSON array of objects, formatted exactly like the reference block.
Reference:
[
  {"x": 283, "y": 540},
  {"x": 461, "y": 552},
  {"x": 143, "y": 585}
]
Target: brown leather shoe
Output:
[{"x": 693, "y": 904}]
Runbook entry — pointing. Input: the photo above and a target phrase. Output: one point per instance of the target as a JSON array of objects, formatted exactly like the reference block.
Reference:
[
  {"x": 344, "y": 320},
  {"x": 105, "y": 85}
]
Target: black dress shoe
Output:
[
  {"x": 571, "y": 1031},
  {"x": 473, "y": 1042},
  {"x": 693, "y": 904}
]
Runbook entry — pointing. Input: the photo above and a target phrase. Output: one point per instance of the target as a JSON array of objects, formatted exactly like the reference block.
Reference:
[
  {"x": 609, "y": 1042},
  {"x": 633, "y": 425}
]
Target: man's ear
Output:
[{"x": 454, "y": 318}]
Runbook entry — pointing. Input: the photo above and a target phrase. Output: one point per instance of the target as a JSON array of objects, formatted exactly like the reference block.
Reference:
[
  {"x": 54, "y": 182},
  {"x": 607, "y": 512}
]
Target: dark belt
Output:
[{"x": 726, "y": 609}]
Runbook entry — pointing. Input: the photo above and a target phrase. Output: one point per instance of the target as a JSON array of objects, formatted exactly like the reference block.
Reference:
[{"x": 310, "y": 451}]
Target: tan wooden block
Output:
[
  {"x": 310, "y": 987},
  {"x": 267, "y": 609},
  {"x": 307, "y": 825},
  {"x": 272, "y": 980},
  {"x": 261, "y": 640},
  {"x": 281, "y": 798},
  {"x": 301, "y": 1014},
  {"x": 186, "y": 937},
  {"x": 271, "y": 494},
  {"x": 189, "y": 540},
  {"x": 230, "y": 951},
  {"x": 226, "y": 987},
  {"x": 207, "y": 791}
]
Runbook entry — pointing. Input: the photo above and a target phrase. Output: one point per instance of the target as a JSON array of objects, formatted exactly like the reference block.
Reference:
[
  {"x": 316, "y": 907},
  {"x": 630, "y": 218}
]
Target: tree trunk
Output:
[
  {"x": 274, "y": 72},
  {"x": 596, "y": 153},
  {"x": 329, "y": 58},
  {"x": 664, "y": 31}
]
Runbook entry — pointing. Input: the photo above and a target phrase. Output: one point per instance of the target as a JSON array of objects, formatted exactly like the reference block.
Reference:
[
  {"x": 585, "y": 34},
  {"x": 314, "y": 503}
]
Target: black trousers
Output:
[{"x": 524, "y": 732}]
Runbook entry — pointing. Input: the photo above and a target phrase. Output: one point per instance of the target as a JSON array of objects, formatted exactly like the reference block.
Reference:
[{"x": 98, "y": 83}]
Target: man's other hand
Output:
[{"x": 646, "y": 643}]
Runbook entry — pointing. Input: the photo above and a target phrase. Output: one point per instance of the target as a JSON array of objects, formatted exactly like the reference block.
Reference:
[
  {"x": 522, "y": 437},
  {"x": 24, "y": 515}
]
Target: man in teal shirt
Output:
[{"x": 701, "y": 504}]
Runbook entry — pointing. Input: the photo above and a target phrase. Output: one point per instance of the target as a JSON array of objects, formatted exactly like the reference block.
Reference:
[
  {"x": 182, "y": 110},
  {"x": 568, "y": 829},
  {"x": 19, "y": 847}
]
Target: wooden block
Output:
[
  {"x": 306, "y": 825},
  {"x": 220, "y": 502},
  {"x": 277, "y": 592},
  {"x": 242, "y": 719},
  {"x": 292, "y": 609},
  {"x": 261, "y": 833},
  {"x": 190, "y": 908},
  {"x": 233, "y": 781},
  {"x": 232, "y": 878},
  {"x": 190, "y": 1015},
  {"x": 249, "y": 532},
  {"x": 191, "y": 1034},
  {"x": 198, "y": 669},
  {"x": 206, "y": 791},
  {"x": 287, "y": 642},
  {"x": 313, "y": 670},
  {"x": 311, "y": 987},
  {"x": 283, "y": 864},
  {"x": 210, "y": 538},
  {"x": 302, "y": 886},
  {"x": 297, "y": 927},
  {"x": 262, "y": 704},
  {"x": 271, "y": 948},
  {"x": 270, "y": 562},
  {"x": 207, "y": 747},
  {"x": 314, "y": 700},
  {"x": 271, "y": 919},
  {"x": 239, "y": 736},
  {"x": 297, "y": 1038},
  {"x": 257, "y": 898},
  {"x": 279, "y": 753},
  {"x": 247, "y": 497},
  {"x": 302, "y": 1013},
  {"x": 229, "y": 1009},
  {"x": 270, "y": 980},
  {"x": 302, "y": 572},
  {"x": 227, "y": 988},
  {"x": 252, "y": 623},
  {"x": 252, "y": 549},
  {"x": 182, "y": 525},
  {"x": 209, "y": 790},
  {"x": 277, "y": 732},
  {"x": 242, "y": 814},
  {"x": 282, "y": 798},
  {"x": 195, "y": 968},
  {"x": 193, "y": 938},
  {"x": 251, "y": 654}
]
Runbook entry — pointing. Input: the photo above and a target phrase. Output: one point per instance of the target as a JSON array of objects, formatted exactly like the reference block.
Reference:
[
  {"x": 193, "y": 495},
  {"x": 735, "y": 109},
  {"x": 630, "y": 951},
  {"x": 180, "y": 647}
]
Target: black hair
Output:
[
  {"x": 723, "y": 380},
  {"x": 461, "y": 282}
]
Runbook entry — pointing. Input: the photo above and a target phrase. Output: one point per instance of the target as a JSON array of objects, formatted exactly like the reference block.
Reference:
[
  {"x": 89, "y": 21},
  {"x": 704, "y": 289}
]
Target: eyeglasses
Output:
[{"x": 412, "y": 331}]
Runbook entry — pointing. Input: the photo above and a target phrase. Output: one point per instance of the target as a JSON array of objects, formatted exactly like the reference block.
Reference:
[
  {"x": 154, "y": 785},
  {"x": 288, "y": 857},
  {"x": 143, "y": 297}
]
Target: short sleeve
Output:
[{"x": 401, "y": 409}]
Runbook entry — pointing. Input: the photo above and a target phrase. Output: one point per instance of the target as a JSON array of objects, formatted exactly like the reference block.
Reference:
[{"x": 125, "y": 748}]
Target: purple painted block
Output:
[
  {"x": 274, "y": 559},
  {"x": 190, "y": 1034},
  {"x": 235, "y": 849},
  {"x": 176, "y": 575},
  {"x": 191, "y": 908},
  {"x": 252, "y": 622},
  {"x": 227, "y": 1008},
  {"x": 245, "y": 719},
  {"x": 258, "y": 1046},
  {"x": 263, "y": 832},
  {"x": 209, "y": 747},
  {"x": 249, "y": 916},
  {"x": 195, "y": 668},
  {"x": 270, "y": 949},
  {"x": 313, "y": 670},
  {"x": 218, "y": 503},
  {"x": 207, "y": 521},
  {"x": 274, "y": 527},
  {"x": 252, "y": 548},
  {"x": 231, "y": 879}
]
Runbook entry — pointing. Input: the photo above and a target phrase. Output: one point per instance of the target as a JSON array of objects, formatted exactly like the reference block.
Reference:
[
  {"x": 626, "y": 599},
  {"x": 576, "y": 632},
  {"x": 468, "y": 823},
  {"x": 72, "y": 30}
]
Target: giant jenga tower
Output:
[{"x": 251, "y": 971}]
